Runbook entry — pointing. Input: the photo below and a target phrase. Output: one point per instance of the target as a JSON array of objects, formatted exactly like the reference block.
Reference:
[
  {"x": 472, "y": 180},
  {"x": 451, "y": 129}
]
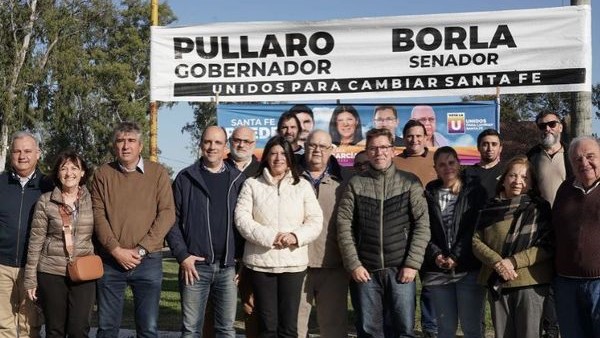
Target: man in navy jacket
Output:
[
  {"x": 203, "y": 238},
  {"x": 20, "y": 189}
]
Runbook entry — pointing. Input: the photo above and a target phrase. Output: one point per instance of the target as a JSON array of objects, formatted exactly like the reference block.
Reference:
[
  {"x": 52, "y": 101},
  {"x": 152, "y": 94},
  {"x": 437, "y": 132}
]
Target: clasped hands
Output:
[
  {"x": 445, "y": 263},
  {"x": 506, "y": 269},
  {"x": 285, "y": 240}
]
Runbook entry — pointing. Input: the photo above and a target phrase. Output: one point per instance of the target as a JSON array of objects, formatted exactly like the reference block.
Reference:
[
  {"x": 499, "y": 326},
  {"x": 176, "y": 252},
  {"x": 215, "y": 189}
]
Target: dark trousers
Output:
[
  {"x": 277, "y": 301},
  {"x": 549, "y": 319},
  {"x": 67, "y": 305}
]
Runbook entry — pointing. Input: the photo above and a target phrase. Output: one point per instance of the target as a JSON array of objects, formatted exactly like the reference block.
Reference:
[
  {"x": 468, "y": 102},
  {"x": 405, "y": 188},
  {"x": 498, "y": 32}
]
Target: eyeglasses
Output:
[
  {"x": 551, "y": 124},
  {"x": 385, "y": 120},
  {"x": 375, "y": 149},
  {"x": 241, "y": 141},
  {"x": 429, "y": 120},
  {"x": 321, "y": 147}
]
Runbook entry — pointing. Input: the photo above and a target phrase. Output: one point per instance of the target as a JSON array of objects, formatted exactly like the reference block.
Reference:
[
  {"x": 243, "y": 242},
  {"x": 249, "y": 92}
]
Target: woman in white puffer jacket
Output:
[{"x": 278, "y": 214}]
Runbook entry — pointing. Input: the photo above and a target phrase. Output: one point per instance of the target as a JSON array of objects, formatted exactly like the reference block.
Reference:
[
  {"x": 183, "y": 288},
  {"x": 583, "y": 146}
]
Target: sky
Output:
[{"x": 177, "y": 150}]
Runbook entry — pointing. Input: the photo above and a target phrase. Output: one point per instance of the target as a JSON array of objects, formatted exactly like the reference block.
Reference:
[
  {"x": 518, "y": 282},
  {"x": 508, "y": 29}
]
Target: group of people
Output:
[
  {"x": 46, "y": 222},
  {"x": 294, "y": 231}
]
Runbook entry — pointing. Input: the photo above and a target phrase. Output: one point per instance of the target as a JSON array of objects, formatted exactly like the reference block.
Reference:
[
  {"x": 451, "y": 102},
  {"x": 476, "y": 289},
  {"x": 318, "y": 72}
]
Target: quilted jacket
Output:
[
  {"x": 383, "y": 221},
  {"x": 47, "y": 251},
  {"x": 266, "y": 208}
]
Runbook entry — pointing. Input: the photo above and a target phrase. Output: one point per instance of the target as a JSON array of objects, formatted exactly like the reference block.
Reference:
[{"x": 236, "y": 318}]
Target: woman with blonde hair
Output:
[{"x": 514, "y": 242}]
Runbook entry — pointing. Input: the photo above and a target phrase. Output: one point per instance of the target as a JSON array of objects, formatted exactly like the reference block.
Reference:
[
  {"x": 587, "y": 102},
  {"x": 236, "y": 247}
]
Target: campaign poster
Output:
[{"x": 447, "y": 124}]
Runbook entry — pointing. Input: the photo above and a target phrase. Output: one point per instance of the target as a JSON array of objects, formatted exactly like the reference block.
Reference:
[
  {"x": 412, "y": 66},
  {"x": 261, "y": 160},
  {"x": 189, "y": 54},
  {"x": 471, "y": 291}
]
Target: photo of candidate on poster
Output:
[{"x": 453, "y": 124}]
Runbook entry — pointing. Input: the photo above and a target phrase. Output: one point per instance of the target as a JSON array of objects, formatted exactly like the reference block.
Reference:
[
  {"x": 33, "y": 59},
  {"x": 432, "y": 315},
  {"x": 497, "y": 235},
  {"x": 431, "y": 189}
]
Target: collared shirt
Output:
[
  {"x": 221, "y": 170},
  {"x": 139, "y": 166},
  {"x": 579, "y": 185},
  {"x": 23, "y": 180},
  {"x": 316, "y": 181}
]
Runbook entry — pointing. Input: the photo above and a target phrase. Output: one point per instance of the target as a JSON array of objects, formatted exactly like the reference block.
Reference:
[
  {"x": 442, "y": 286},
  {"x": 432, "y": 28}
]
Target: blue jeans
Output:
[
  {"x": 145, "y": 281},
  {"x": 463, "y": 300},
  {"x": 384, "y": 297},
  {"x": 217, "y": 282},
  {"x": 577, "y": 306}
]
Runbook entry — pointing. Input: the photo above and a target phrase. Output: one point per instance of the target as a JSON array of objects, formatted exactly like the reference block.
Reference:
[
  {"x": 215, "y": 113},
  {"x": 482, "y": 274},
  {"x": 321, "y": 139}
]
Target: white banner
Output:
[{"x": 519, "y": 51}]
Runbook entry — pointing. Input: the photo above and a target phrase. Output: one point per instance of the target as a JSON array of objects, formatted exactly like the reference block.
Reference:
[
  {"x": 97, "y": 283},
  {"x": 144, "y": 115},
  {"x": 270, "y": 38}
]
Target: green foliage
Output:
[
  {"x": 596, "y": 98},
  {"x": 86, "y": 69}
]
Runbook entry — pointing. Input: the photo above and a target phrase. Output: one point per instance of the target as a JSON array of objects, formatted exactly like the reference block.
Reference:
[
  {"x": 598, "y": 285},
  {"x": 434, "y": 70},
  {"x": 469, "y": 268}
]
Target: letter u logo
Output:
[{"x": 456, "y": 125}]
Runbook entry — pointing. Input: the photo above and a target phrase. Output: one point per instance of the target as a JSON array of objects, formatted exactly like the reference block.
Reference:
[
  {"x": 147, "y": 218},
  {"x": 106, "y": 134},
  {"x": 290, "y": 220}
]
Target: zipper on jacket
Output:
[
  {"x": 229, "y": 225},
  {"x": 212, "y": 251},
  {"x": 19, "y": 225}
]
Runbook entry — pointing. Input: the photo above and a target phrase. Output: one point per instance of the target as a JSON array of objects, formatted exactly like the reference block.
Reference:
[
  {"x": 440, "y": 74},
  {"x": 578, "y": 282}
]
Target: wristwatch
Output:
[{"x": 142, "y": 252}]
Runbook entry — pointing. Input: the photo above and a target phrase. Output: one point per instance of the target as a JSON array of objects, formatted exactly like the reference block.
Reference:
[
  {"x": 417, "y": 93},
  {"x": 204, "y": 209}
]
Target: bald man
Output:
[
  {"x": 575, "y": 219},
  {"x": 241, "y": 151},
  {"x": 426, "y": 116},
  {"x": 203, "y": 237},
  {"x": 326, "y": 282}
]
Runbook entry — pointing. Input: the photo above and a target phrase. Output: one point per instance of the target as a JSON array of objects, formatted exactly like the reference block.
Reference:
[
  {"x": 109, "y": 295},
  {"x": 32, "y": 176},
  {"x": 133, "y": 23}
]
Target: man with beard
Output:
[
  {"x": 489, "y": 168},
  {"x": 552, "y": 167},
  {"x": 288, "y": 127},
  {"x": 307, "y": 120},
  {"x": 550, "y": 158},
  {"x": 241, "y": 151}
]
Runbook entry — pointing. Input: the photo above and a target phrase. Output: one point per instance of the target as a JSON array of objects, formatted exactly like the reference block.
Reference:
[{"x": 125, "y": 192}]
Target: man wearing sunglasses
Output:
[
  {"x": 551, "y": 165},
  {"x": 549, "y": 157}
]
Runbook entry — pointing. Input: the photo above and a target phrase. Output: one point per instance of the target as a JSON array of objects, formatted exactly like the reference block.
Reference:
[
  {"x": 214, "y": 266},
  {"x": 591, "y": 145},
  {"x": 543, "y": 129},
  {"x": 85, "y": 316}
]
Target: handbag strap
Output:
[{"x": 65, "y": 214}]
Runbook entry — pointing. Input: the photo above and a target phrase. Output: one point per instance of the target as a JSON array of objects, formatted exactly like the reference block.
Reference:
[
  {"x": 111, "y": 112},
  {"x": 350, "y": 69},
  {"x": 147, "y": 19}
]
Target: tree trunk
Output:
[{"x": 12, "y": 87}]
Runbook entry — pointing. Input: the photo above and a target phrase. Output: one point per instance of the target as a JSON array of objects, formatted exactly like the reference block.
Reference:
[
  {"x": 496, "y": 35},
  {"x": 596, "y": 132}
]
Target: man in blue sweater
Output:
[
  {"x": 203, "y": 238},
  {"x": 20, "y": 189}
]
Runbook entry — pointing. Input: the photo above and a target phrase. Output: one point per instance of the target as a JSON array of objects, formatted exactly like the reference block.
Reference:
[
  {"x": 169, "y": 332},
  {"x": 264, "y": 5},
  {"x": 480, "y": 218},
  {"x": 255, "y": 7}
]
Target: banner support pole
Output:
[
  {"x": 498, "y": 108},
  {"x": 153, "y": 104},
  {"x": 581, "y": 102}
]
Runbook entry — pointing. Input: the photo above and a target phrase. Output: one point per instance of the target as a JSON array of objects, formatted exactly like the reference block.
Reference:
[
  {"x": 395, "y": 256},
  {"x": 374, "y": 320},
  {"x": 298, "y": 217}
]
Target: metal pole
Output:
[
  {"x": 497, "y": 108},
  {"x": 153, "y": 105},
  {"x": 581, "y": 102}
]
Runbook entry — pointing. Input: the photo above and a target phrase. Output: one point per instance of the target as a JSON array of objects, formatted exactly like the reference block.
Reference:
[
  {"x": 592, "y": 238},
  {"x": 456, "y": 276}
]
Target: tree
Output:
[
  {"x": 524, "y": 107},
  {"x": 596, "y": 98},
  {"x": 85, "y": 68},
  {"x": 517, "y": 112},
  {"x": 205, "y": 114}
]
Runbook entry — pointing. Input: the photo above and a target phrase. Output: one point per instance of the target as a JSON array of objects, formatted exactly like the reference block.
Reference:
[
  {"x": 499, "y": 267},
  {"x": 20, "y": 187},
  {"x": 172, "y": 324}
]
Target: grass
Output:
[{"x": 170, "y": 310}]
